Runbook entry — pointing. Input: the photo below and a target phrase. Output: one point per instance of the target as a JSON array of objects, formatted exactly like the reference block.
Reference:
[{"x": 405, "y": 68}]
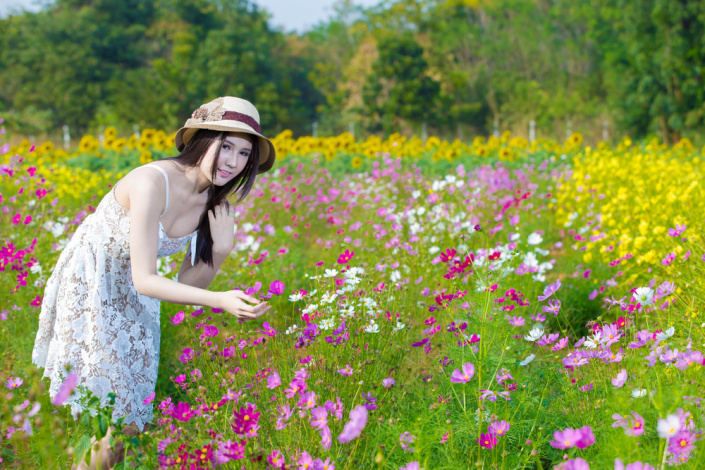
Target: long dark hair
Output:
[{"x": 191, "y": 157}]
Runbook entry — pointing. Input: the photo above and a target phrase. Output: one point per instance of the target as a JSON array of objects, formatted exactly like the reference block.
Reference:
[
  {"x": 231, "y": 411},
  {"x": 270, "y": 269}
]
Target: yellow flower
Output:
[
  {"x": 119, "y": 144},
  {"x": 86, "y": 144},
  {"x": 110, "y": 132},
  {"x": 356, "y": 162},
  {"x": 481, "y": 151},
  {"x": 145, "y": 157},
  {"x": 505, "y": 153},
  {"x": 575, "y": 139}
]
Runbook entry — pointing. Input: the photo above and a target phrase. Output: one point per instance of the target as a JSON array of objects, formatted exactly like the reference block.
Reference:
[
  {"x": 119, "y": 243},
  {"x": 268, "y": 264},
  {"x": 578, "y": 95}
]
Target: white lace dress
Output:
[{"x": 93, "y": 318}]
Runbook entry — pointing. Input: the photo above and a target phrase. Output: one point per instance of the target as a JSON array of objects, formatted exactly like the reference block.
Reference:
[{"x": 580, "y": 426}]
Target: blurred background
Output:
[{"x": 447, "y": 68}]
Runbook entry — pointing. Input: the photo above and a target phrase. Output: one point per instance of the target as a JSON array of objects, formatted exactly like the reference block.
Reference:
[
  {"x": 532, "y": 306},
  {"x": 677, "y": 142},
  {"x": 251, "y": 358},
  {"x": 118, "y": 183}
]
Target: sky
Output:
[{"x": 292, "y": 15}]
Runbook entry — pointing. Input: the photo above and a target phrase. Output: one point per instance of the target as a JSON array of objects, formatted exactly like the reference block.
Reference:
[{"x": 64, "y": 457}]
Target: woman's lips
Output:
[{"x": 222, "y": 173}]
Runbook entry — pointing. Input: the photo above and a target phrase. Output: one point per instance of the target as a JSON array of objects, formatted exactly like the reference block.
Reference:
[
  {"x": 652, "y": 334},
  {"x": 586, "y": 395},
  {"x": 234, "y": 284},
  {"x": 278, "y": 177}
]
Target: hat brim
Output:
[{"x": 267, "y": 153}]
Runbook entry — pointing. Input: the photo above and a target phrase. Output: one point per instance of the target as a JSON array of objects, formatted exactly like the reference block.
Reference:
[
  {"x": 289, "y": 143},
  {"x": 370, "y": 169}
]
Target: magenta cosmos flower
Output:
[
  {"x": 498, "y": 428},
  {"x": 573, "y": 464},
  {"x": 568, "y": 438},
  {"x": 487, "y": 440},
  {"x": 619, "y": 465},
  {"x": 65, "y": 389},
  {"x": 463, "y": 377}
]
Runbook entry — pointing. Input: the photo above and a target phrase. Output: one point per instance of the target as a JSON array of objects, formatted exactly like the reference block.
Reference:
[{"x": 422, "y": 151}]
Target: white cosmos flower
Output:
[
  {"x": 395, "y": 275},
  {"x": 593, "y": 342},
  {"x": 291, "y": 329},
  {"x": 534, "y": 239},
  {"x": 534, "y": 334},
  {"x": 353, "y": 281},
  {"x": 416, "y": 194},
  {"x": 644, "y": 295},
  {"x": 330, "y": 273},
  {"x": 433, "y": 250},
  {"x": 638, "y": 392},
  {"x": 328, "y": 297},
  {"x": 349, "y": 311},
  {"x": 295, "y": 296},
  {"x": 666, "y": 334},
  {"x": 669, "y": 426},
  {"x": 528, "y": 359},
  {"x": 327, "y": 324},
  {"x": 372, "y": 327},
  {"x": 310, "y": 308},
  {"x": 400, "y": 326}
]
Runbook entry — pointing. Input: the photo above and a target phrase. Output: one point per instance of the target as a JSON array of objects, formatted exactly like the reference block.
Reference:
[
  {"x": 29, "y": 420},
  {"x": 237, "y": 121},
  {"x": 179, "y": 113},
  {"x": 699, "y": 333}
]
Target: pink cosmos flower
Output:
[
  {"x": 347, "y": 371},
  {"x": 277, "y": 287},
  {"x": 573, "y": 464},
  {"x": 560, "y": 344},
  {"x": 566, "y": 439},
  {"x": 14, "y": 382},
  {"x": 515, "y": 321},
  {"x": 276, "y": 459},
  {"x": 539, "y": 317},
  {"x": 682, "y": 442},
  {"x": 319, "y": 464},
  {"x": 410, "y": 466},
  {"x": 487, "y": 440},
  {"x": 305, "y": 461},
  {"x": 345, "y": 257},
  {"x": 149, "y": 399},
  {"x": 620, "y": 379},
  {"x": 550, "y": 289},
  {"x": 320, "y": 417},
  {"x": 619, "y": 465},
  {"x": 307, "y": 400},
  {"x": 677, "y": 231},
  {"x": 65, "y": 389},
  {"x": 353, "y": 428},
  {"x": 182, "y": 411},
  {"x": 405, "y": 439},
  {"x": 178, "y": 318},
  {"x": 668, "y": 259},
  {"x": 273, "y": 381},
  {"x": 388, "y": 382},
  {"x": 464, "y": 376}
]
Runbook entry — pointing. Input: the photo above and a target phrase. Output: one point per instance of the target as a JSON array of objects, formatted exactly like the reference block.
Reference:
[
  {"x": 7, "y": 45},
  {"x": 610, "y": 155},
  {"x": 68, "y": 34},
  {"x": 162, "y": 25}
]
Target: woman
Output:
[{"x": 100, "y": 311}]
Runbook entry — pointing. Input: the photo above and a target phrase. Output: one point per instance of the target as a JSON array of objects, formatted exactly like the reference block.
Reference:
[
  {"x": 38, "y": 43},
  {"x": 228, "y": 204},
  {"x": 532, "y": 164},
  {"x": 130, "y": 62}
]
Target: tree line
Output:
[{"x": 449, "y": 64}]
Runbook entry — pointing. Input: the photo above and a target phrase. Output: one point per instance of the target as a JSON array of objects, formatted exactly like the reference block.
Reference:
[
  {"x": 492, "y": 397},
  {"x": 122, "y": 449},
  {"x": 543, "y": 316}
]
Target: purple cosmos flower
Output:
[
  {"x": 182, "y": 411},
  {"x": 560, "y": 344},
  {"x": 405, "y": 439},
  {"x": 682, "y": 442},
  {"x": 388, "y": 382},
  {"x": 65, "y": 389},
  {"x": 539, "y": 317},
  {"x": 307, "y": 400},
  {"x": 463, "y": 377},
  {"x": 550, "y": 289},
  {"x": 554, "y": 306},
  {"x": 371, "y": 401},
  {"x": 587, "y": 437},
  {"x": 498, "y": 428},
  {"x": 620, "y": 379},
  {"x": 353, "y": 428}
]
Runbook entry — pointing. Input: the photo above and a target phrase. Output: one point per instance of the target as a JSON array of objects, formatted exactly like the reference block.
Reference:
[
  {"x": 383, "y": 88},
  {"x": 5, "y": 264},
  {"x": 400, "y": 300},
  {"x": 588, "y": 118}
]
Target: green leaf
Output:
[
  {"x": 83, "y": 444},
  {"x": 103, "y": 425}
]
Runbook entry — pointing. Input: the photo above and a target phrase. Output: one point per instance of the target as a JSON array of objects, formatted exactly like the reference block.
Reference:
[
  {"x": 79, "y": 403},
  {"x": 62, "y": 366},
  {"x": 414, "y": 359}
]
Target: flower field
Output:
[{"x": 493, "y": 304}]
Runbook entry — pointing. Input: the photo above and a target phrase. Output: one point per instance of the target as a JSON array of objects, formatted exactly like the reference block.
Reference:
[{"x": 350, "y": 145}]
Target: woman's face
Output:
[{"x": 234, "y": 153}]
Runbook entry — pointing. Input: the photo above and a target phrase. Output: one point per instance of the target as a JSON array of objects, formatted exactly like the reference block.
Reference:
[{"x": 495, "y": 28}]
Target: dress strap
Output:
[{"x": 167, "y": 184}]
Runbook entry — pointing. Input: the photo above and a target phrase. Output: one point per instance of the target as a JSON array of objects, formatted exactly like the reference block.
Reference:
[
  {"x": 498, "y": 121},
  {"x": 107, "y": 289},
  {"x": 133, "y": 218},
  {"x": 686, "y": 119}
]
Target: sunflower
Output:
[
  {"x": 110, "y": 132},
  {"x": 147, "y": 134},
  {"x": 356, "y": 162},
  {"x": 132, "y": 142},
  {"x": 482, "y": 151},
  {"x": 86, "y": 144},
  {"x": 119, "y": 144},
  {"x": 145, "y": 157},
  {"x": 575, "y": 139},
  {"x": 108, "y": 142},
  {"x": 46, "y": 147},
  {"x": 142, "y": 144},
  {"x": 329, "y": 154},
  {"x": 60, "y": 154},
  {"x": 505, "y": 153}
]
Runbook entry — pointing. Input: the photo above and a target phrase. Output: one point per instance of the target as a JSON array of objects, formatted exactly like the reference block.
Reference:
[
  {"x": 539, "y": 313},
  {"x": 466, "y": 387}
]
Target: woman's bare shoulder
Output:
[{"x": 140, "y": 177}]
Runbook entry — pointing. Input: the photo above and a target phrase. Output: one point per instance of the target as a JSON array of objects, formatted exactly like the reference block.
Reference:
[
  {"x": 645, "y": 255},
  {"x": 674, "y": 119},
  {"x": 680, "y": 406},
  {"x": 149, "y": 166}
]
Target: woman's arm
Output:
[
  {"x": 147, "y": 199},
  {"x": 200, "y": 275}
]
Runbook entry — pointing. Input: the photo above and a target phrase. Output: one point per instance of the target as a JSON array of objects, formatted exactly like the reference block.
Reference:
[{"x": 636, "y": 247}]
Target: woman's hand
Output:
[
  {"x": 222, "y": 224},
  {"x": 233, "y": 302}
]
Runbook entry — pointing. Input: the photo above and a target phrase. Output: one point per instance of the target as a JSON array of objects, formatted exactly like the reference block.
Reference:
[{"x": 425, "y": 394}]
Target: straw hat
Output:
[{"x": 228, "y": 114}]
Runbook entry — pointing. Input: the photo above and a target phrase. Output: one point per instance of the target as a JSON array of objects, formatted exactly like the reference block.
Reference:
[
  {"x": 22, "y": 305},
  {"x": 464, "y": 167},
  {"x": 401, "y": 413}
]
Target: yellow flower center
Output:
[
  {"x": 500, "y": 432},
  {"x": 246, "y": 418},
  {"x": 567, "y": 443},
  {"x": 684, "y": 443}
]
